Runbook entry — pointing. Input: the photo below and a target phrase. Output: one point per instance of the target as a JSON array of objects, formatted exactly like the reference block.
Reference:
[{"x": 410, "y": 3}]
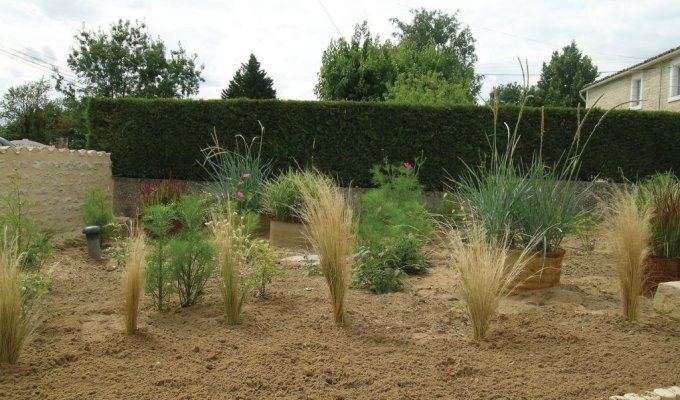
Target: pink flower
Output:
[
  {"x": 240, "y": 195},
  {"x": 408, "y": 165},
  {"x": 246, "y": 175}
]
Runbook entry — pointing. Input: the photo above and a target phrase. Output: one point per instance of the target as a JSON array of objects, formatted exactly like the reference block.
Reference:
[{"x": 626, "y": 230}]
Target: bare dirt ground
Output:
[{"x": 568, "y": 342}]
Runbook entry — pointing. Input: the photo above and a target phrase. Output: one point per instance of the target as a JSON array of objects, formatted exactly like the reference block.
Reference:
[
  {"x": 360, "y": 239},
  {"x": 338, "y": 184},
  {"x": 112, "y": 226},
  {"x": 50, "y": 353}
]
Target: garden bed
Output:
[{"x": 567, "y": 342}]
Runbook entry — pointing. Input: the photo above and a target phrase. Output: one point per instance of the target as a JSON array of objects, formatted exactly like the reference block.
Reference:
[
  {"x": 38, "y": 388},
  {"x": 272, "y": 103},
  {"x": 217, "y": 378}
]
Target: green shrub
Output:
[
  {"x": 98, "y": 210},
  {"x": 396, "y": 207},
  {"x": 158, "y": 273},
  {"x": 266, "y": 269},
  {"x": 190, "y": 253},
  {"x": 23, "y": 231},
  {"x": 375, "y": 271}
]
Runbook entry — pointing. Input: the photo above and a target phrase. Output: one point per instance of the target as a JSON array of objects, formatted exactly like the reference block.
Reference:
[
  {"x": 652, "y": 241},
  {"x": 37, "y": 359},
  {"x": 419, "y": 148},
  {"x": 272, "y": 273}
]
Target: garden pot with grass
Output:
[
  {"x": 282, "y": 200},
  {"x": 661, "y": 193},
  {"x": 541, "y": 271},
  {"x": 659, "y": 269}
]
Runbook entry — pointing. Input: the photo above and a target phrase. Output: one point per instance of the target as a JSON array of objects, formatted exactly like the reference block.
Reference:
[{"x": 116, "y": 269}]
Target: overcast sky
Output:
[{"x": 288, "y": 37}]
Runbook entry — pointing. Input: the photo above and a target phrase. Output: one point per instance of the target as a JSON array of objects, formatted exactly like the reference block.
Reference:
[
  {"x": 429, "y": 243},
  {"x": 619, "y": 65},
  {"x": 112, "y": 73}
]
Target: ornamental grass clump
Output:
[
  {"x": 662, "y": 193},
  {"x": 232, "y": 246},
  {"x": 133, "y": 280},
  {"x": 628, "y": 232},
  {"x": 14, "y": 313},
  {"x": 487, "y": 273},
  {"x": 240, "y": 172},
  {"x": 329, "y": 221},
  {"x": 282, "y": 196}
]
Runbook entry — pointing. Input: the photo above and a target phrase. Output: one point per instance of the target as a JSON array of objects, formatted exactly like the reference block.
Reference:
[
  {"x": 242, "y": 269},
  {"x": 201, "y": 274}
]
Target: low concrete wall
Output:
[
  {"x": 52, "y": 182},
  {"x": 127, "y": 199}
]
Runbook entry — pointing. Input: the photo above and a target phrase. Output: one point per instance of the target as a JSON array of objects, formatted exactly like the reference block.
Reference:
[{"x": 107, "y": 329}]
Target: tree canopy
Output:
[
  {"x": 508, "y": 93},
  {"x": 29, "y": 111},
  {"x": 564, "y": 76},
  {"x": 432, "y": 62},
  {"x": 250, "y": 82},
  {"x": 359, "y": 69},
  {"x": 128, "y": 62}
]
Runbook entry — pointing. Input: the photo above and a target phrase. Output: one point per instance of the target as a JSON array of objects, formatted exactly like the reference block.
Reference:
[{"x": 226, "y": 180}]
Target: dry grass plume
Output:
[
  {"x": 133, "y": 280},
  {"x": 486, "y": 273},
  {"x": 14, "y": 315},
  {"x": 231, "y": 249},
  {"x": 329, "y": 221},
  {"x": 628, "y": 232}
]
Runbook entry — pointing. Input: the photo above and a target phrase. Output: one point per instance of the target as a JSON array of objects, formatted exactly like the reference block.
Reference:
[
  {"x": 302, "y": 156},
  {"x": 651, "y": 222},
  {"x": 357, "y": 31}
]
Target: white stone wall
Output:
[{"x": 53, "y": 182}]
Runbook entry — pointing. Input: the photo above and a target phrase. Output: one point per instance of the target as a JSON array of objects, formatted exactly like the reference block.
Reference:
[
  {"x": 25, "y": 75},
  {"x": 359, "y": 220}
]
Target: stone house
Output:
[{"x": 652, "y": 85}]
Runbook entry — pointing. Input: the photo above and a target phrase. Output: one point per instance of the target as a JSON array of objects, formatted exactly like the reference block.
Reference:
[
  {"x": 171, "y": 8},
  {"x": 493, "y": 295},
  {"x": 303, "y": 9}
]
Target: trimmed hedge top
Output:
[{"x": 157, "y": 137}]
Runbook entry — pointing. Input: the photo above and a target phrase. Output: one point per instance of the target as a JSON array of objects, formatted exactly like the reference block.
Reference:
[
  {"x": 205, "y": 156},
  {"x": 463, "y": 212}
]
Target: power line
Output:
[{"x": 331, "y": 18}]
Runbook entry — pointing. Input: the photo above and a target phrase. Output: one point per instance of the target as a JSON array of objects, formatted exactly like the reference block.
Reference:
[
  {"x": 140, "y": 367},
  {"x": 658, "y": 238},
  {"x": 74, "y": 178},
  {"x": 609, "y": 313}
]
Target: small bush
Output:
[
  {"x": 396, "y": 207},
  {"x": 310, "y": 267},
  {"x": 191, "y": 254},
  {"x": 266, "y": 269},
  {"x": 375, "y": 272},
  {"x": 23, "y": 230},
  {"x": 158, "y": 280},
  {"x": 97, "y": 210}
]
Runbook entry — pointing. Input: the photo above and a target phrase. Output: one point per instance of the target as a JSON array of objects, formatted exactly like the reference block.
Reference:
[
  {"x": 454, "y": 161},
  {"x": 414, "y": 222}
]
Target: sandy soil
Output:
[{"x": 568, "y": 342}]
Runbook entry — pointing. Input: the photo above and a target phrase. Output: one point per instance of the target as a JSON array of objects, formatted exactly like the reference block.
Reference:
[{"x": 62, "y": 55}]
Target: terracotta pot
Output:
[
  {"x": 287, "y": 234},
  {"x": 656, "y": 270},
  {"x": 541, "y": 271},
  {"x": 262, "y": 229}
]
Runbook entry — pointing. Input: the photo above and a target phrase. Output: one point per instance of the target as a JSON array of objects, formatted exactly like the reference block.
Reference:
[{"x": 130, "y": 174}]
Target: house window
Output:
[
  {"x": 636, "y": 92},
  {"x": 674, "y": 92}
]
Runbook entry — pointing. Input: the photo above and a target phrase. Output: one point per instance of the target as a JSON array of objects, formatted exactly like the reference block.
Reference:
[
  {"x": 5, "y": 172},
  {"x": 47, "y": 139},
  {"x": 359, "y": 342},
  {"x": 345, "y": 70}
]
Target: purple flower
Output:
[
  {"x": 240, "y": 195},
  {"x": 246, "y": 175},
  {"x": 408, "y": 165}
]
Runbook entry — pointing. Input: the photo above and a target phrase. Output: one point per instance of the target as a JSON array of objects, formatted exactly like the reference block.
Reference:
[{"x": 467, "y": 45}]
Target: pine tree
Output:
[{"x": 250, "y": 82}]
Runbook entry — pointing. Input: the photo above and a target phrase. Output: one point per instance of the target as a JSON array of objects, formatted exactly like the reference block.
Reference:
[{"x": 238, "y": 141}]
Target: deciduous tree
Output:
[
  {"x": 562, "y": 79},
  {"x": 358, "y": 69},
  {"x": 127, "y": 62}
]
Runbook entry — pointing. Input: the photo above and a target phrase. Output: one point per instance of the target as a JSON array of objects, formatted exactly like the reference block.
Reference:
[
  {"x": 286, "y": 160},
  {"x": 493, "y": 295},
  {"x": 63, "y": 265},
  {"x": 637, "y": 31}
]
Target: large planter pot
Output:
[
  {"x": 542, "y": 270},
  {"x": 287, "y": 234},
  {"x": 263, "y": 225},
  {"x": 656, "y": 270}
]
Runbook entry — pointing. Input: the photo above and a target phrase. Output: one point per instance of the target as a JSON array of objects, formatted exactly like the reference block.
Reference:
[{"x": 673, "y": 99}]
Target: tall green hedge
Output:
[{"x": 154, "y": 138}]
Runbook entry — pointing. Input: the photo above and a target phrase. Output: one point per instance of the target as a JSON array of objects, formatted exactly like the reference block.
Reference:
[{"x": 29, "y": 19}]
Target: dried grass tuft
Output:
[
  {"x": 486, "y": 272},
  {"x": 231, "y": 250},
  {"x": 133, "y": 280},
  {"x": 329, "y": 221},
  {"x": 628, "y": 232},
  {"x": 14, "y": 316}
]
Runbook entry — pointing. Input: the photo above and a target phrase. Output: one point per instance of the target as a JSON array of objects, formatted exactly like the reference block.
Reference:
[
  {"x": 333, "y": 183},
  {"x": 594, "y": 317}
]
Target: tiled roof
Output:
[{"x": 632, "y": 67}]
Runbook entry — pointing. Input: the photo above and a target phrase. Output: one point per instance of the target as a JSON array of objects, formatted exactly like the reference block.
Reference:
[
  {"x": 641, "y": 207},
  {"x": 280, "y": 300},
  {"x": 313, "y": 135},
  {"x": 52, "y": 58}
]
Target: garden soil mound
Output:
[{"x": 567, "y": 342}]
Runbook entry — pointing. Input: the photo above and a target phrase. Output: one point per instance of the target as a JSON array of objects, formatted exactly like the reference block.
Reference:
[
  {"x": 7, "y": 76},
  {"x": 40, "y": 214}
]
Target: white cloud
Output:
[{"x": 288, "y": 37}]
